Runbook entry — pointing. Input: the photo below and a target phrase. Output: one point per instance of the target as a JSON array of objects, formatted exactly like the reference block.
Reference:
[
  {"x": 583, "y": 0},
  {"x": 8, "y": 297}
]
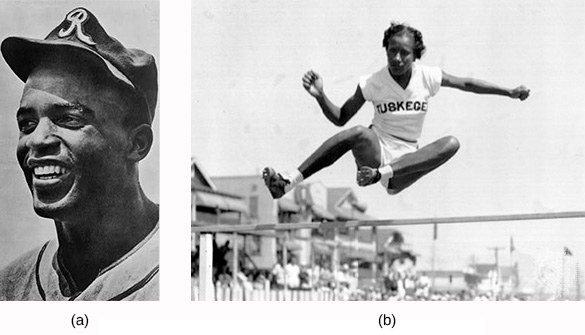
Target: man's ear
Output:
[{"x": 141, "y": 139}]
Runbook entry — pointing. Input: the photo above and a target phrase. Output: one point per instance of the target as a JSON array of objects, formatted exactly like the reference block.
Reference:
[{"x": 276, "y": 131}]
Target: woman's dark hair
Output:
[{"x": 402, "y": 28}]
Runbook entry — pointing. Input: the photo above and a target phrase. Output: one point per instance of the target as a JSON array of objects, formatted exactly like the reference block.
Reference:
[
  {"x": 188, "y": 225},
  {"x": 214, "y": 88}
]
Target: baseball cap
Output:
[{"x": 81, "y": 32}]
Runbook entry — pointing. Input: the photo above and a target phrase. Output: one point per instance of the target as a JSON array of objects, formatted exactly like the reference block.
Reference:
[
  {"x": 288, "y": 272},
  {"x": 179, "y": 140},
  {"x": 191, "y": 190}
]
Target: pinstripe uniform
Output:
[{"x": 40, "y": 275}]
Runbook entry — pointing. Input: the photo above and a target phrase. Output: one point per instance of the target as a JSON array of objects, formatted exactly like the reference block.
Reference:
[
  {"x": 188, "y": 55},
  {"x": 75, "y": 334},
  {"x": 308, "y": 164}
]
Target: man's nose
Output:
[{"x": 42, "y": 141}]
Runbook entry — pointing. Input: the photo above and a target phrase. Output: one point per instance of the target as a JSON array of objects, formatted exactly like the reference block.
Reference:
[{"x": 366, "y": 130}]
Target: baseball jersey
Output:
[
  {"x": 38, "y": 275},
  {"x": 399, "y": 112}
]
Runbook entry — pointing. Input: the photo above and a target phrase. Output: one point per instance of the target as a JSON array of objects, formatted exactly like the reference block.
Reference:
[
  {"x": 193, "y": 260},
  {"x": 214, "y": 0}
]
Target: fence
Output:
[
  {"x": 207, "y": 290},
  {"x": 237, "y": 293}
]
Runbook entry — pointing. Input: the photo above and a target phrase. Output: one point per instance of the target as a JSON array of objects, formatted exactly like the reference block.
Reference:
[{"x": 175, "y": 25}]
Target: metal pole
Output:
[
  {"x": 433, "y": 255},
  {"x": 206, "y": 286},
  {"x": 235, "y": 266},
  {"x": 375, "y": 263},
  {"x": 312, "y": 264},
  {"x": 335, "y": 263},
  {"x": 284, "y": 262}
]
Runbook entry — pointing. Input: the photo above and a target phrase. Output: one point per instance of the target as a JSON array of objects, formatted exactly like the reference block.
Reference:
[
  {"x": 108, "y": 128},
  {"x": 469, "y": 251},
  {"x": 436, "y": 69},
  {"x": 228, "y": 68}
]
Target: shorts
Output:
[{"x": 392, "y": 148}]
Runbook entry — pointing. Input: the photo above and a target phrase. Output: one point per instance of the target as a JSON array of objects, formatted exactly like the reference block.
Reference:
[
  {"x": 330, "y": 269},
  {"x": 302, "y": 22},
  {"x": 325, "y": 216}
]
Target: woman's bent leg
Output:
[{"x": 413, "y": 166}]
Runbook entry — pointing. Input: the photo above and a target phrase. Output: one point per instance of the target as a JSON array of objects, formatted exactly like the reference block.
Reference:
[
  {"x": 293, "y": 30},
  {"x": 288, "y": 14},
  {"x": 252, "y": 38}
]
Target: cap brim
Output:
[{"x": 23, "y": 55}]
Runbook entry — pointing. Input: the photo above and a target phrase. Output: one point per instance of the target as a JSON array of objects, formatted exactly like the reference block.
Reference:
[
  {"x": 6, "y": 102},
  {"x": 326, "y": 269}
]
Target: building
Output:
[
  {"x": 260, "y": 248},
  {"x": 212, "y": 205},
  {"x": 495, "y": 278}
]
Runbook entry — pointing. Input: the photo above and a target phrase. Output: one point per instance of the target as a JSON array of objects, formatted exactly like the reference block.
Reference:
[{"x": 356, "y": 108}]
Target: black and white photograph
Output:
[
  {"x": 79, "y": 151},
  {"x": 314, "y": 179},
  {"x": 413, "y": 167}
]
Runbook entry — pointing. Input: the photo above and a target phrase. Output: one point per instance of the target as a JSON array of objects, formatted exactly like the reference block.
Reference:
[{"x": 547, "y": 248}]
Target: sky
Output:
[
  {"x": 20, "y": 228},
  {"x": 249, "y": 109}
]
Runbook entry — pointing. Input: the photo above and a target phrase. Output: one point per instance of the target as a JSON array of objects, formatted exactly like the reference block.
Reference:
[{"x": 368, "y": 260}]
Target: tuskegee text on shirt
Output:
[{"x": 399, "y": 106}]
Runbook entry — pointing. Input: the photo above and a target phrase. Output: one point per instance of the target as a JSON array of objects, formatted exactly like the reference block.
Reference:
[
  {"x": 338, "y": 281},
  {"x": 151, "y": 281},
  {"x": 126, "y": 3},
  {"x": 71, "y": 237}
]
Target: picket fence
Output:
[{"x": 237, "y": 293}]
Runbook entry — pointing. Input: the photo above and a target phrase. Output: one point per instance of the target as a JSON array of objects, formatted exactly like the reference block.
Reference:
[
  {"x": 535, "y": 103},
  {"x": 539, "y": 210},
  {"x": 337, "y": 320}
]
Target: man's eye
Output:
[
  {"x": 70, "y": 121},
  {"x": 27, "y": 126}
]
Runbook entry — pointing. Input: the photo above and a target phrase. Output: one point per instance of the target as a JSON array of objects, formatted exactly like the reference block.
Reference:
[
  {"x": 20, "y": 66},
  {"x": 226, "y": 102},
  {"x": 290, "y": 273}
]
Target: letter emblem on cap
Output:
[{"x": 77, "y": 17}]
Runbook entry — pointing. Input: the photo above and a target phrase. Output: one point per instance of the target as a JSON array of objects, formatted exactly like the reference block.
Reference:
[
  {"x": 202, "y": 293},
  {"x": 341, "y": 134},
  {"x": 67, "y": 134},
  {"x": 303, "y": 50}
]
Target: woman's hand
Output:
[
  {"x": 520, "y": 92},
  {"x": 313, "y": 83}
]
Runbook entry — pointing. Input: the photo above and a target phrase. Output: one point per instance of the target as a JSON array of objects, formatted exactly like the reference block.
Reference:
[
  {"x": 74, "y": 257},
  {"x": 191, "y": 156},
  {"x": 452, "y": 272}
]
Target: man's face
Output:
[{"x": 72, "y": 144}]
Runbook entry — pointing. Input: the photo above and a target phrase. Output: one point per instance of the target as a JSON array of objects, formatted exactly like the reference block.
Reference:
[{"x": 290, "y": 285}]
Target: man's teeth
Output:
[{"x": 49, "y": 171}]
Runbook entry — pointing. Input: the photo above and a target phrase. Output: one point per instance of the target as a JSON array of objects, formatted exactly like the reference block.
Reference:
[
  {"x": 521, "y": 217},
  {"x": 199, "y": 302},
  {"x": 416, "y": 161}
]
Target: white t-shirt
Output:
[{"x": 399, "y": 112}]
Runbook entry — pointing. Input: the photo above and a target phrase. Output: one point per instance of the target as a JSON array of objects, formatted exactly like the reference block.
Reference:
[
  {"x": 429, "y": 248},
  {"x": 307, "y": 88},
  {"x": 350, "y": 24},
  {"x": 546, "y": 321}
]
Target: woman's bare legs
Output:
[
  {"x": 365, "y": 146},
  {"x": 362, "y": 141},
  {"x": 411, "y": 167}
]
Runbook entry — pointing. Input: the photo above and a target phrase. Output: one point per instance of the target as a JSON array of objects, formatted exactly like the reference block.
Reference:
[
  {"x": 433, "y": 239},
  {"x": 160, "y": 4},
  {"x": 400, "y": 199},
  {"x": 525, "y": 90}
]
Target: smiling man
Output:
[{"x": 85, "y": 123}]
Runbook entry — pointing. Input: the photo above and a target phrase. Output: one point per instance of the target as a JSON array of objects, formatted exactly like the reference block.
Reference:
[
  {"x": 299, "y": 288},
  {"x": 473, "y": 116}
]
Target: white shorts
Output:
[{"x": 392, "y": 148}]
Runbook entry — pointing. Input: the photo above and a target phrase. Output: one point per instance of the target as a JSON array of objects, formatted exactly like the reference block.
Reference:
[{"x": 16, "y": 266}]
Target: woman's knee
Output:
[
  {"x": 361, "y": 134},
  {"x": 394, "y": 191},
  {"x": 365, "y": 146},
  {"x": 397, "y": 184},
  {"x": 450, "y": 145}
]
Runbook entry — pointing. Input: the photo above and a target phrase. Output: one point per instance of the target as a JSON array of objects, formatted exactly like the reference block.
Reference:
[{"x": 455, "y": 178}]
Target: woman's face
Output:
[{"x": 400, "y": 52}]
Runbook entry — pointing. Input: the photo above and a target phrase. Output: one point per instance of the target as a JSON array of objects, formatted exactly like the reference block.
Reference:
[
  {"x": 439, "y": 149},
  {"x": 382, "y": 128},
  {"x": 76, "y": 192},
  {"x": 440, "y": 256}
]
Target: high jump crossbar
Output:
[{"x": 376, "y": 223}]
